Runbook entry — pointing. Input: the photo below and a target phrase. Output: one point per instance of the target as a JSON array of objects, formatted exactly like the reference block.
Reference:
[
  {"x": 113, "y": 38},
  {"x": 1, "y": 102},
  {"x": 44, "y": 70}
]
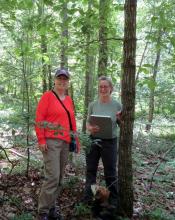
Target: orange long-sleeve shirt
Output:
[{"x": 51, "y": 112}]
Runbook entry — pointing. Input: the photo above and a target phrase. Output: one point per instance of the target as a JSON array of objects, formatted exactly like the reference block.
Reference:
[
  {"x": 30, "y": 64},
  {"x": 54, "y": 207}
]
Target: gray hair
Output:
[
  {"x": 101, "y": 78},
  {"x": 106, "y": 79}
]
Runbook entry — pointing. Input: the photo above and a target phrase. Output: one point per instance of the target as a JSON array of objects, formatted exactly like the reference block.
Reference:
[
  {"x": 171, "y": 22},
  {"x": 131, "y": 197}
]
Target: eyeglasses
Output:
[{"x": 104, "y": 87}]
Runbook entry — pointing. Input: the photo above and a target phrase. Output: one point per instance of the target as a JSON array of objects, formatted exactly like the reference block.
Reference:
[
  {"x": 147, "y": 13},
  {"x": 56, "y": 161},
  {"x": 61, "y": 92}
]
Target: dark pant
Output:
[{"x": 107, "y": 150}]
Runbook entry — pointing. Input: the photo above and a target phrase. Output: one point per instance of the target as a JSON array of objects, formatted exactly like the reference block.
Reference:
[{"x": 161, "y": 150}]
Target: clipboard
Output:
[{"x": 104, "y": 123}]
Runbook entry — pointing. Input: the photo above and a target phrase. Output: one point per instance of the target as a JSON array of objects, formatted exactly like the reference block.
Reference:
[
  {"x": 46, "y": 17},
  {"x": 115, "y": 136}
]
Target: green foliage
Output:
[
  {"x": 28, "y": 4},
  {"x": 157, "y": 214},
  {"x": 172, "y": 163},
  {"x": 71, "y": 182},
  {"x": 85, "y": 141},
  {"x": 48, "y": 2},
  {"x": 82, "y": 210},
  {"x": 121, "y": 218},
  {"x": 149, "y": 82},
  {"x": 2, "y": 155},
  {"x": 15, "y": 201},
  {"x": 23, "y": 216},
  {"x": 168, "y": 136},
  {"x": 22, "y": 27},
  {"x": 136, "y": 160},
  {"x": 141, "y": 114}
]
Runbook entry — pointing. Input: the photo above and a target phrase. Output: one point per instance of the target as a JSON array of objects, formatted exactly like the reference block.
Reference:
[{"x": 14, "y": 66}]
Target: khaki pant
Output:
[{"x": 55, "y": 160}]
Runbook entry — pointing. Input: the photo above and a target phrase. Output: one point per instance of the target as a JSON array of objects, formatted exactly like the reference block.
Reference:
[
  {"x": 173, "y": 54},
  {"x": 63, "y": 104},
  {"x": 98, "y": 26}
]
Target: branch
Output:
[
  {"x": 18, "y": 154},
  {"x": 95, "y": 41},
  {"x": 143, "y": 56},
  {"x": 1, "y": 148},
  {"x": 13, "y": 163},
  {"x": 158, "y": 165}
]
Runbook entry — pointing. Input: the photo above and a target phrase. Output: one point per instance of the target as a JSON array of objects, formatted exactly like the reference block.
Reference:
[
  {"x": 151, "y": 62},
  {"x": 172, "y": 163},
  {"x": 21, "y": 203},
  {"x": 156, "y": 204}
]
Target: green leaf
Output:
[
  {"x": 42, "y": 30},
  {"x": 154, "y": 18},
  {"x": 46, "y": 59},
  {"x": 27, "y": 4},
  {"x": 148, "y": 65},
  {"x": 143, "y": 70},
  {"x": 56, "y": 8},
  {"x": 150, "y": 83},
  {"x": 48, "y": 2}
]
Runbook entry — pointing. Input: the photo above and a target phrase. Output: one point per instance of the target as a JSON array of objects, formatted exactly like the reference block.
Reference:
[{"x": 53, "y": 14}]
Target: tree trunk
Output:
[
  {"x": 152, "y": 90},
  {"x": 50, "y": 77},
  {"x": 64, "y": 37},
  {"x": 64, "y": 42},
  {"x": 89, "y": 69},
  {"x": 128, "y": 101},
  {"x": 43, "y": 45},
  {"x": 142, "y": 58},
  {"x": 103, "y": 31},
  {"x": 25, "y": 72},
  {"x": 44, "y": 65}
]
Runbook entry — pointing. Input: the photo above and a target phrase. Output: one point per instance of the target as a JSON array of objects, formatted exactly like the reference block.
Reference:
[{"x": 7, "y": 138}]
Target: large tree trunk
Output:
[
  {"x": 128, "y": 101},
  {"x": 103, "y": 31}
]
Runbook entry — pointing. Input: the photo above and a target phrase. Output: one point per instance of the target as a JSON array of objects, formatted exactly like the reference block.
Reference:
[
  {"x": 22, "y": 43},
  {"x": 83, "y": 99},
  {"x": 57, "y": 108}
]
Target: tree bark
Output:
[
  {"x": 43, "y": 45},
  {"x": 89, "y": 69},
  {"x": 142, "y": 58},
  {"x": 64, "y": 36},
  {"x": 44, "y": 65},
  {"x": 128, "y": 101},
  {"x": 25, "y": 72},
  {"x": 152, "y": 90},
  {"x": 103, "y": 31}
]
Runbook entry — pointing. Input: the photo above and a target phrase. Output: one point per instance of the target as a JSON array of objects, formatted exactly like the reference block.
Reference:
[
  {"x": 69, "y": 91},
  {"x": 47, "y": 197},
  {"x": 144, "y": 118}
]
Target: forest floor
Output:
[{"x": 154, "y": 183}]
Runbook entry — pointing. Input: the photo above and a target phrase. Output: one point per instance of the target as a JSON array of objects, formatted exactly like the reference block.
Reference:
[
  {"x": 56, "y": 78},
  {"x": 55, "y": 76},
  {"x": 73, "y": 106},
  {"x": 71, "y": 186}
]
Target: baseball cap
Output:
[{"x": 63, "y": 72}]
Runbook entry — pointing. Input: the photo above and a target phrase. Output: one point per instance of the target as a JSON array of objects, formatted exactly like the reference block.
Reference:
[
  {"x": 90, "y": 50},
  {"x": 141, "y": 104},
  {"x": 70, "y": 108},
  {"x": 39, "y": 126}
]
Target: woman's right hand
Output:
[
  {"x": 93, "y": 128},
  {"x": 43, "y": 147},
  {"x": 119, "y": 115}
]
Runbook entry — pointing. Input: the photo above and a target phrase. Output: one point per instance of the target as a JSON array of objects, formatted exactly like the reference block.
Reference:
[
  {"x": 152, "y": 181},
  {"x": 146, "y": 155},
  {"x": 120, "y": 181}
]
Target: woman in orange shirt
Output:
[{"x": 54, "y": 143}]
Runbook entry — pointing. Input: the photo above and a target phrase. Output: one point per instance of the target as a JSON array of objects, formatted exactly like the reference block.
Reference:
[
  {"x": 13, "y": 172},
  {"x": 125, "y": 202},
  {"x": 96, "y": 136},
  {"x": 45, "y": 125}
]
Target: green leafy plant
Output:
[
  {"x": 157, "y": 214},
  {"x": 2, "y": 155},
  {"x": 23, "y": 216},
  {"x": 15, "y": 201},
  {"x": 71, "y": 182},
  {"x": 85, "y": 141},
  {"x": 82, "y": 209}
]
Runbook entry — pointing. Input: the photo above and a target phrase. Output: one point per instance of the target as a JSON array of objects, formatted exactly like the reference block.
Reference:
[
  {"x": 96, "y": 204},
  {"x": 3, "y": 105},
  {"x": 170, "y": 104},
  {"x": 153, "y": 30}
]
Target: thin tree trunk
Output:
[
  {"x": 89, "y": 70},
  {"x": 128, "y": 100},
  {"x": 44, "y": 65},
  {"x": 26, "y": 97},
  {"x": 50, "y": 77},
  {"x": 64, "y": 37},
  {"x": 152, "y": 90},
  {"x": 103, "y": 32},
  {"x": 64, "y": 43},
  {"x": 40, "y": 5},
  {"x": 143, "y": 56}
]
